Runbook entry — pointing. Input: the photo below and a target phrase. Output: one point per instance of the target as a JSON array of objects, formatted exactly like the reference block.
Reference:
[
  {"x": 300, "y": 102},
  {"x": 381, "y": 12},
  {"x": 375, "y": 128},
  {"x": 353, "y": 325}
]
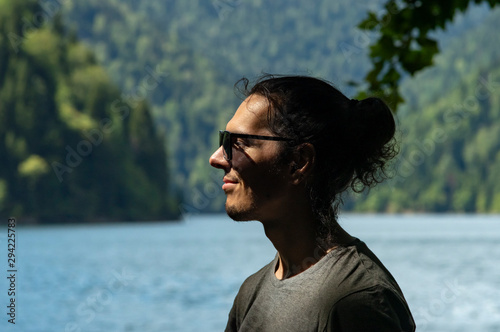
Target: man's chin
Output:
[{"x": 238, "y": 214}]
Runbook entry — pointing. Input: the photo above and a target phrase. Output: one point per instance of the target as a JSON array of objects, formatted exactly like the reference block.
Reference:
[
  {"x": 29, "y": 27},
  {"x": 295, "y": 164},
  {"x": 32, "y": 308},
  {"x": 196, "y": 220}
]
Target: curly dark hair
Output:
[{"x": 353, "y": 140}]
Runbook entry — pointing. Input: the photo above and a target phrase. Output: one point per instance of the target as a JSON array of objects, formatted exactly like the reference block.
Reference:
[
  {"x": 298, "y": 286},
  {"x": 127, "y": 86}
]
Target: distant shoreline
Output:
[{"x": 25, "y": 221}]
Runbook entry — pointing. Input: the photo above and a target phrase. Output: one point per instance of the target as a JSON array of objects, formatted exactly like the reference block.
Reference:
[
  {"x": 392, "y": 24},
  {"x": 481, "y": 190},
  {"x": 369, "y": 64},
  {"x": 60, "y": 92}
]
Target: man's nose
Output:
[{"x": 217, "y": 159}]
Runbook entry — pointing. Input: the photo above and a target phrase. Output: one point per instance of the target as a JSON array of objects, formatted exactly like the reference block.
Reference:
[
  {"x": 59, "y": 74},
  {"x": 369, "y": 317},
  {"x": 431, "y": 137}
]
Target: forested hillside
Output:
[
  {"x": 207, "y": 46},
  {"x": 73, "y": 148},
  {"x": 183, "y": 58}
]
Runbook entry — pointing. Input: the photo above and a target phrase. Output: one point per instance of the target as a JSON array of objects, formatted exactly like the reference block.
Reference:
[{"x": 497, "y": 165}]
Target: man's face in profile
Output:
[{"x": 254, "y": 183}]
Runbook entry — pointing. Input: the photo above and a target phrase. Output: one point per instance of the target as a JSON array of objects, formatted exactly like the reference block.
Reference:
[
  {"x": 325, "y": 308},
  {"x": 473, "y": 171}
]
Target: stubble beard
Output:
[
  {"x": 239, "y": 213},
  {"x": 248, "y": 211}
]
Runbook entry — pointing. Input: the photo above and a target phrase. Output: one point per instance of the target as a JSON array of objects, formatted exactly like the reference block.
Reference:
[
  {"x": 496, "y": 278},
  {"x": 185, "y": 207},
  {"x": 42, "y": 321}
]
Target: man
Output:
[{"x": 294, "y": 145}]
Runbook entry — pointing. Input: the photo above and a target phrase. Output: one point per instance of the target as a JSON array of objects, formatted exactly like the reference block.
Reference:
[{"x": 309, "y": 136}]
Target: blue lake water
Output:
[{"x": 184, "y": 276}]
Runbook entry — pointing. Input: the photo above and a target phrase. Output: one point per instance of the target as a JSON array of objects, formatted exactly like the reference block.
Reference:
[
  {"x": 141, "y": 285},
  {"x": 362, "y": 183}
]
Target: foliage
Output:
[
  {"x": 404, "y": 45},
  {"x": 72, "y": 148}
]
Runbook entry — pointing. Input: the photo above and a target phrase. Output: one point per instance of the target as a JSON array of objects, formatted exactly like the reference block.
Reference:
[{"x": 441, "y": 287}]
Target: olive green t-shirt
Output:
[{"x": 347, "y": 290}]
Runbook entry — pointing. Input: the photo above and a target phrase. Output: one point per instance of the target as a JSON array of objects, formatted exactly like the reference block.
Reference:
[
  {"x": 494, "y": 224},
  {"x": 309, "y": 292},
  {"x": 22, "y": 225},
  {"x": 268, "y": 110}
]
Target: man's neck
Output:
[
  {"x": 297, "y": 244},
  {"x": 296, "y": 251}
]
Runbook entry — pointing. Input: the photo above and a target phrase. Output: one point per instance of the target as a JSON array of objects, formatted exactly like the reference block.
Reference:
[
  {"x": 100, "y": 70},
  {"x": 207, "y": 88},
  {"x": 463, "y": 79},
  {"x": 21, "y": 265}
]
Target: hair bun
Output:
[
  {"x": 353, "y": 103},
  {"x": 375, "y": 120},
  {"x": 372, "y": 128}
]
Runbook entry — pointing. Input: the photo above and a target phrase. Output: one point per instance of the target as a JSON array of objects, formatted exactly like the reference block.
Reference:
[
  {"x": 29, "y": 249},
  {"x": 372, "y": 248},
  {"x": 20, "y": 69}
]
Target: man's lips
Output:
[{"x": 228, "y": 183}]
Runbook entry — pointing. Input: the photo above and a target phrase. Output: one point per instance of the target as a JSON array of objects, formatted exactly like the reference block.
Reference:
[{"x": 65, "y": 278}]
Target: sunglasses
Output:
[{"x": 226, "y": 140}]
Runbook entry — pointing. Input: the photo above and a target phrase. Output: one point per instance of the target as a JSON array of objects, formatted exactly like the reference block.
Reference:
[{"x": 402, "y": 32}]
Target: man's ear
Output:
[{"x": 302, "y": 162}]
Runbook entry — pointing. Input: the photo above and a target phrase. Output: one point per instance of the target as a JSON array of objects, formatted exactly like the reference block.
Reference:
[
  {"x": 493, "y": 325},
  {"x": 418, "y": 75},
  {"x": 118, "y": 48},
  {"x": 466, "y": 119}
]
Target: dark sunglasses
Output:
[{"x": 226, "y": 140}]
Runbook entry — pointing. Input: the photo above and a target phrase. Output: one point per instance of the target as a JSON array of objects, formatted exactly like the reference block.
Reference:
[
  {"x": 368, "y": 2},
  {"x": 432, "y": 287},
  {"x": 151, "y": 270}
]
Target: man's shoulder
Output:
[
  {"x": 378, "y": 308},
  {"x": 364, "y": 287},
  {"x": 356, "y": 268}
]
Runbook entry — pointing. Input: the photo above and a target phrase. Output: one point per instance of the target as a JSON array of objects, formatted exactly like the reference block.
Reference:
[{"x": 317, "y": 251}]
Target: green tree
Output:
[{"x": 72, "y": 148}]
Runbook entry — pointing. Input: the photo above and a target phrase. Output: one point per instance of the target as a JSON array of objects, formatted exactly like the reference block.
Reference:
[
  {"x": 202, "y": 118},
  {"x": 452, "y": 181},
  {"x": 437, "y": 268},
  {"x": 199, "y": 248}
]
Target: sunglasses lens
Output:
[
  {"x": 221, "y": 138},
  {"x": 225, "y": 141}
]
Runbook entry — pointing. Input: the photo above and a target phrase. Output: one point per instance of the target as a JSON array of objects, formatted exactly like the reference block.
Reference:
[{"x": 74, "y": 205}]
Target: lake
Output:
[{"x": 184, "y": 276}]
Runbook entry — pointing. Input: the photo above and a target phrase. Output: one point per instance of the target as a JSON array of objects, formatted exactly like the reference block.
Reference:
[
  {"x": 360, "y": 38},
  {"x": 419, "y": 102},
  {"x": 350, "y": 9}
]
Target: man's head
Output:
[
  {"x": 333, "y": 143},
  {"x": 257, "y": 182}
]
